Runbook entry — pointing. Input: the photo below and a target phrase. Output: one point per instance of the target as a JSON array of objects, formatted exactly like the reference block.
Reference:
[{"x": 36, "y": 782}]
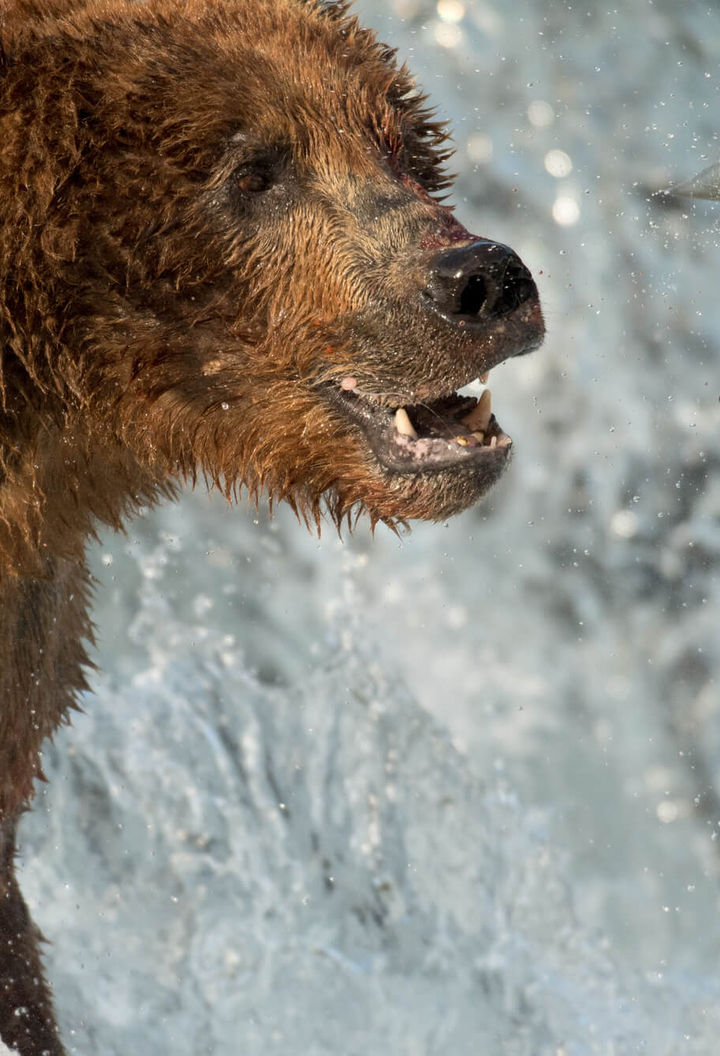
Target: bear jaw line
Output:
[{"x": 450, "y": 432}]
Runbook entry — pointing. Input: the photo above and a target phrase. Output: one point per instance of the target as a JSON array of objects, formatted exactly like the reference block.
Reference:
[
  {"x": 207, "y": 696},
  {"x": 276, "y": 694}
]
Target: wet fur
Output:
[{"x": 163, "y": 318}]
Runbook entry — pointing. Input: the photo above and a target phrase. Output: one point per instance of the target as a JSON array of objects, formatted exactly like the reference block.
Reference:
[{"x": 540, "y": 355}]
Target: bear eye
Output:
[
  {"x": 258, "y": 169},
  {"x": 255, "y": 181}
]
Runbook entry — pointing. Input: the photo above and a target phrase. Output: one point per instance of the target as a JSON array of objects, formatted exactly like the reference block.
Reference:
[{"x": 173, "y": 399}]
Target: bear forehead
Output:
[
  {"x": 332, "y": 59},
  {"x": 225, "y": 68}
]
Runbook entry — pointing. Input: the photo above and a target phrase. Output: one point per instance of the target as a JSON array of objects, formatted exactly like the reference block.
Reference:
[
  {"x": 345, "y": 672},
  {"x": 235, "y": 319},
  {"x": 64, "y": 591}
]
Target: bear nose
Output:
[{"x": 478, "y": 283}]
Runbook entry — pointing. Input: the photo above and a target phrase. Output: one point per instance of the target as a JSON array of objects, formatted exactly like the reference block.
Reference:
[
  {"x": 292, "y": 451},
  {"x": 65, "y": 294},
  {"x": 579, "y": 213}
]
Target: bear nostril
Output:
[
  {"x": 474, "y": 295},
  {"x": 517, "y": 287}
]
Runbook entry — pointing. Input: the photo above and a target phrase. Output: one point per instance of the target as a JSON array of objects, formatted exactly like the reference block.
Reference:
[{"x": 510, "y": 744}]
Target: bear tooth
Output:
[
  {"x": 479, "y": 417},
  {"x": 403, "y": 424},
  {"x": 484, "y": 377}
]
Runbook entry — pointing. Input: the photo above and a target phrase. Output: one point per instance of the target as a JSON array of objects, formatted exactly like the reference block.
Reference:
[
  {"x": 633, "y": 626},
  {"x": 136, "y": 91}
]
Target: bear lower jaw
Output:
[{"x": 451, "y": 433}]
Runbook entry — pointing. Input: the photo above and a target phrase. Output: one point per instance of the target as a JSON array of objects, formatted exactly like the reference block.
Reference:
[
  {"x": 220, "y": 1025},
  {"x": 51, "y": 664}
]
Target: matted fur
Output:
[{"x": 210, "y": 210}]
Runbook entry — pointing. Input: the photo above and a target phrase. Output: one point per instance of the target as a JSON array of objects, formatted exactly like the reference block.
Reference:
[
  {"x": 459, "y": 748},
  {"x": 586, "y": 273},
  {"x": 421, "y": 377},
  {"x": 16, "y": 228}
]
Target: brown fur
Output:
[{"x": 201, "y": 225}]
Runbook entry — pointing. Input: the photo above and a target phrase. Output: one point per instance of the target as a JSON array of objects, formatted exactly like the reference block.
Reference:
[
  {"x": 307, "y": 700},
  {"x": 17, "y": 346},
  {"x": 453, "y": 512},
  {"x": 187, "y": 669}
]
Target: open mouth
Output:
[{"x": 450, "y": 432}]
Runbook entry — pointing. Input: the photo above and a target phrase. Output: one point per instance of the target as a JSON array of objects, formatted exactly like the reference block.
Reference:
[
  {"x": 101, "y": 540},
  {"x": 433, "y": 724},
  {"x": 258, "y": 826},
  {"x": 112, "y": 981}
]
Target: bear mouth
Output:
[{"x": 450, "y": 432}]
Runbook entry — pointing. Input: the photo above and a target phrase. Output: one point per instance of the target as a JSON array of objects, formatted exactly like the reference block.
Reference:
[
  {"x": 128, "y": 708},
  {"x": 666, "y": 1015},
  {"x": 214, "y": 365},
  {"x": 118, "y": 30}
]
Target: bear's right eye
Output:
[
  {"x": 258, "y": 169},
  {"x": 254, "y": 182}
]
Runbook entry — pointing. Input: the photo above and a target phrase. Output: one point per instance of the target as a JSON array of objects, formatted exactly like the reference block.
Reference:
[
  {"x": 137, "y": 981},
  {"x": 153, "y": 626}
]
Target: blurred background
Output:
[{"x": 456, "y": 792}]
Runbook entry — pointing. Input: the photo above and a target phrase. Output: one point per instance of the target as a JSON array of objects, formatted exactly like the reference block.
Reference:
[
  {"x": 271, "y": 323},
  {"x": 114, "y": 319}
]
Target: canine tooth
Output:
[
  {"x": 403, "y": 424},
  {"x": 493, "y": 441},
  {"x": 484, "y": 377},
  {"x": 479, "y": 417}
]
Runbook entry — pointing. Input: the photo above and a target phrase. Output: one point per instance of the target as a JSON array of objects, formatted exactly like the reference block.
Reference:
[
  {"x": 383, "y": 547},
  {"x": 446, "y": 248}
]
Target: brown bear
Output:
[{"x": 224, "y": 254}]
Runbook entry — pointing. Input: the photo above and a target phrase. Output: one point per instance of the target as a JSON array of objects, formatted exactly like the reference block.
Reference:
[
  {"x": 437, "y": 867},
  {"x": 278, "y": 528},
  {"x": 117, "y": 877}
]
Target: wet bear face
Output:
[{"x": 243, "y": 259}]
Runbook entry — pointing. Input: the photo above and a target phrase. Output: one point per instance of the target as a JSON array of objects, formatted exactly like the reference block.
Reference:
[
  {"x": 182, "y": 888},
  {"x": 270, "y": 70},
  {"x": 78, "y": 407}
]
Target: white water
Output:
[{"x": 439, "y": 796}]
